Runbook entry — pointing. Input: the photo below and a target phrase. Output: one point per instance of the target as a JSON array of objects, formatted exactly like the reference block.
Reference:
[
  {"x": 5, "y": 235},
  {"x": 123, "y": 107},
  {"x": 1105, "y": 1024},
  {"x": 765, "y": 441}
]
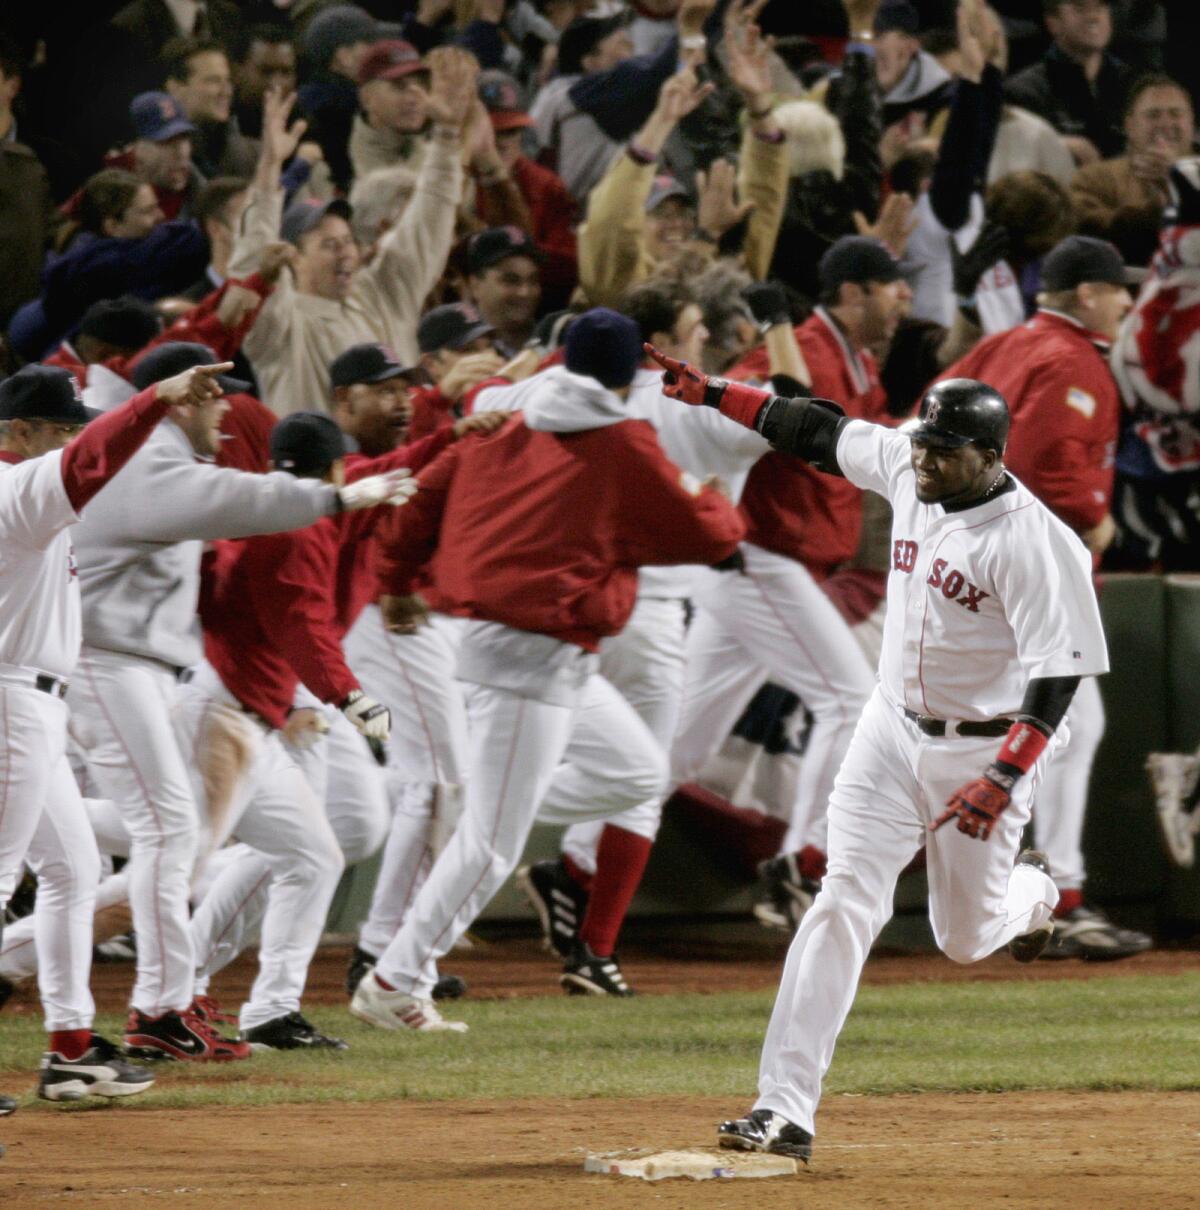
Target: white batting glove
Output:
[
  {"x": 393, "y": 487},
  {"x": 369, "y": 717}
]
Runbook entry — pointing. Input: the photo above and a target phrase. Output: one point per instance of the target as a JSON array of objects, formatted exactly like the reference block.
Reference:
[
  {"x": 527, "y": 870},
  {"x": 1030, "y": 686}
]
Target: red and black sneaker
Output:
[
  {"x": 179, "y": 1036},
  {"x": 210, "y": 1011}
]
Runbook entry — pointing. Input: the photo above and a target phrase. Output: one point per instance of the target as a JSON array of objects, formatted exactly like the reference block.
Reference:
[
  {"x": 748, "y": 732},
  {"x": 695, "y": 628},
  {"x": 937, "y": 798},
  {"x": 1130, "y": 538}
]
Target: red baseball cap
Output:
[
  {"x": 501, "y": 97},
  {"x": 390, "y": 60}
]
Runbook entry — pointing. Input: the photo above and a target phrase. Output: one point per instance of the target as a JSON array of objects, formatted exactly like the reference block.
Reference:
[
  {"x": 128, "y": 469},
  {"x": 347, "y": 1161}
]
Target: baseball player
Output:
[
  {"x": 54, "y": 467},
  {"x": 139, "y": 565},
  {"x": 991, "y": 623},
  {"x": 1054, "y": 372},
  {"x": 499, "y": 516}
]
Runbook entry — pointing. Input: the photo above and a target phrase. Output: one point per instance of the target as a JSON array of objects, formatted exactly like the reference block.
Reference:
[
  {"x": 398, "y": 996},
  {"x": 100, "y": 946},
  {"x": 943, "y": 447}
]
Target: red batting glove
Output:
[
  {"x": 685, "y": 382},
  {"x": 977, "y": 806}
]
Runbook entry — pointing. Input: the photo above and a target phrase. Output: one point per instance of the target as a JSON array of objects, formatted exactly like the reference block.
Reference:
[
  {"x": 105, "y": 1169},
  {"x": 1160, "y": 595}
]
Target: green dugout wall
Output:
[{"x": 1152, "y": 700}]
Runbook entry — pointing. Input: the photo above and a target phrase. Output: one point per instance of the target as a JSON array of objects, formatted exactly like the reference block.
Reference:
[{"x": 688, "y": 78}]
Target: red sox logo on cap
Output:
[
  {"x": 167, "y": 109},
  {"x": 387, "y": 351},
  {"x": 935, "y": 406},
  {"x": 75, "y": 388}
]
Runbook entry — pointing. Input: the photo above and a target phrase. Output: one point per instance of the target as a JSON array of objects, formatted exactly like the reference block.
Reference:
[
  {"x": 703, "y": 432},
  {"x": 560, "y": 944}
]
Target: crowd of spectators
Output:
[{"x": 530, "y": 157}]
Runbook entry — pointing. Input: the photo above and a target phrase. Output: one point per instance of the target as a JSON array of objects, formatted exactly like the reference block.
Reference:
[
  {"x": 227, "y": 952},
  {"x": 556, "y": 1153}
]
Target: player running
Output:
[{"x": 991, "y": 624}]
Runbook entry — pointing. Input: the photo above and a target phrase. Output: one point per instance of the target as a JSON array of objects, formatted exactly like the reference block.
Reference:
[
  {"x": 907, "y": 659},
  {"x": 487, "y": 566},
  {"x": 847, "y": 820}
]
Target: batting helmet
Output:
[{"x": 960, "y": 411}]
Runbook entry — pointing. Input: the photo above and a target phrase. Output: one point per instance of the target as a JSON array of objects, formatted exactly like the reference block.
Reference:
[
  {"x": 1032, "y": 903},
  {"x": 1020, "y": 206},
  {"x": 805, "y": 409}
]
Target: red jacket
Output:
[
  {"x": 276, "y": 607},
  {"x": 545, "y": 531},
  {"x": 1065, "y": 411},
  {"x": 791, "y": 508}
]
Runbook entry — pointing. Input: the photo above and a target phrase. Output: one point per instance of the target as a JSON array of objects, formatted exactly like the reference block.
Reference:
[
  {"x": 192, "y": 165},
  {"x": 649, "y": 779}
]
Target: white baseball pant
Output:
[
  {"x": 123, "y": 709},
  {"x": 772, "y": 619},
  {"x": 43, "y": 823},
  {"x": 644, "y": 663},
  {"x": 270, "y": 807},
  {"x": 516, "y": 744},
  {"x": 342, "y": 773},
  {"x": 1062, "y": 801},
  {"x": 413, "y": 675},
  {"x": 893, "y": 783}
]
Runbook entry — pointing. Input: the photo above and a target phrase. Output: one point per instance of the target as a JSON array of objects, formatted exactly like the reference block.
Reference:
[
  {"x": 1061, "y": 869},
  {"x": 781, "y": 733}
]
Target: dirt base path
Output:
[{"x": 1029, "y": 1150}]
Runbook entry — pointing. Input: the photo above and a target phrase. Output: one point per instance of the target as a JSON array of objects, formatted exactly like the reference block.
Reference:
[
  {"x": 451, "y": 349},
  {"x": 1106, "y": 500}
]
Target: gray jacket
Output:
[{"x": 139, "y": 544}]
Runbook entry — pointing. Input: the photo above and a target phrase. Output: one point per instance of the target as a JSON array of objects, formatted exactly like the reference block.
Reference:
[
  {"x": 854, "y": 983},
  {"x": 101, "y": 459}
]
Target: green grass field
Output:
[{"x": 1134, "y": 1032}]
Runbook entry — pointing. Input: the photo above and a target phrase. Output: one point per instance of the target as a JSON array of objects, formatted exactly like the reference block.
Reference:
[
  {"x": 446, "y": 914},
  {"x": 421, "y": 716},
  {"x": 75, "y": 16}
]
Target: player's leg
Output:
[
  {"x": 124, "y": 706},
  {"x": 355, "y": 792},
  {"x": 228, "y": 917}
]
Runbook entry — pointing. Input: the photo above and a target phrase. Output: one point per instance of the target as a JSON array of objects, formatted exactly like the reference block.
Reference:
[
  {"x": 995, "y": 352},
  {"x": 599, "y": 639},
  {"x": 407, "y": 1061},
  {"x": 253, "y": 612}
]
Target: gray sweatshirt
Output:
[{"x": 138, "y": 548}]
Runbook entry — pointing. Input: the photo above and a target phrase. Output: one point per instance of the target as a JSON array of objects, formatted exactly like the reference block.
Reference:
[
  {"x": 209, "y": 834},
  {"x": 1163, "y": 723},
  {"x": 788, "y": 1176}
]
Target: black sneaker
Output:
[
  {"x": 1087, "y": 933},
  {"x": 559, "y": 901},
  {"x": 292, "y": 1032},
  {"x": 789, "y": 893},
  {"x": 7, "y": 1105},
  {"x": 360, "y": 963},
  {"x": 587, "y": 975},
  {"x": 450, "y": 987},
  {"x": 1029, "y": 946},
  {"x": 121, "y": 948},
  {"x": 101, "y": 1071},
  {"x": 765, "y": 1130}
]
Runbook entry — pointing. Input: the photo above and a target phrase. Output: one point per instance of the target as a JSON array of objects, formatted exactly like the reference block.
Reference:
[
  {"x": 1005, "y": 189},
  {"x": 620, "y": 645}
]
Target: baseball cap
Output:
[
  {"x": 126, "y": 322},
  {"x": 582, "y": 36},
  {"x": 40, "y": 392},
  {"x": 452, "y": 326},
  {"x": 665, "y": 186},
  {"x": 301, "y": 217},
  {"x": 858, "y": 259},
  {"x": 1081, "y": 258},
  {"x": 604, "y": 345},
  {"x": 897, "y": 15},
  {"x": 366, "y": 363},
  {"x": 307, "y": 444},
  {"x": 157, "y": 117},
  {"x": 490, "y": 247},
  {"x": 167, "y": 360},
  {"x": 390, "y": 60},
  {"x": 333, "y": 28},
  {"x": 501, "y": 97}
]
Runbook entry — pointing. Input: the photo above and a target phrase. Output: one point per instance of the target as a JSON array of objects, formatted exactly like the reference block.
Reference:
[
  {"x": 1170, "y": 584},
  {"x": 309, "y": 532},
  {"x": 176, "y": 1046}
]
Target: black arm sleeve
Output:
[
  {"x": 1046, "y": 701},
  {"x": 966, "y": 148},
  {"x": 808, "y": 428}
]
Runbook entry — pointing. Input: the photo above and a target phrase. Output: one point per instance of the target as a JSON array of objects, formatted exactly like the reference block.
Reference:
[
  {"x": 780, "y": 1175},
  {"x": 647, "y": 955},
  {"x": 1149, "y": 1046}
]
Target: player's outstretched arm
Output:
[{"x": 805, "y": 427}]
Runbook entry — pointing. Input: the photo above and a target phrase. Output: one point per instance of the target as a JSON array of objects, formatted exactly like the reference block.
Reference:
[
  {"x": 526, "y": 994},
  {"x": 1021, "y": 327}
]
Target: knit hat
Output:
[
  {"x": 333, "y": 28},
  {"x": 604, "y": 345}
]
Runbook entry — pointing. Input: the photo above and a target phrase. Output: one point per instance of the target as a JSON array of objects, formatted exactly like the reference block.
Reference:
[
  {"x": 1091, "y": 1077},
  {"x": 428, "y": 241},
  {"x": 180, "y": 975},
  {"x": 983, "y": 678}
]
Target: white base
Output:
[{"x": 699, "y": 1165}]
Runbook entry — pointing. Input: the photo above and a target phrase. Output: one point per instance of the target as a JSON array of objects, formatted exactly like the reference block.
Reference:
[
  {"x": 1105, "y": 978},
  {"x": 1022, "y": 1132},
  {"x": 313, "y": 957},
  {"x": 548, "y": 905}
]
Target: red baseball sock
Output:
[
  {"x": 620, "y": 863},
  {"x": 70, "y": 1043},
  {"x": 1068, "y": 901},
  {"x": 578, "y": 874}
]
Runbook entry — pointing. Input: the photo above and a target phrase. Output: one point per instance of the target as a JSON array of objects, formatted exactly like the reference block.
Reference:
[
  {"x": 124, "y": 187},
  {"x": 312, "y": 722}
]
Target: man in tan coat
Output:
[{"x": 330, "y": 301}]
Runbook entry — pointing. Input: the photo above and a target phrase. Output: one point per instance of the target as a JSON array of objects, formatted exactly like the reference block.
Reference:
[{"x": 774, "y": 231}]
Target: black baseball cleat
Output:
[
  {"x": 450, "y": 987},
  {"x": 6, "y": 990},
  {"x": 559, "y": 901},
  {"x": 585, "y": 974},
  {"x": 101, "y": 1071},
  {"x": 360, "y": 963},
  {"x": 765, "y": 1130},
  {"x": 179, "y": 1036},
  {"x": 7, "y": 1105},
  {"x": 789, "y": 893},
  {"x": 1029, "y": 946},
  {"x": 121, "y": 948},
  {"x": 292, "y": 1032},
  {"x": 1086, "y": 932}
]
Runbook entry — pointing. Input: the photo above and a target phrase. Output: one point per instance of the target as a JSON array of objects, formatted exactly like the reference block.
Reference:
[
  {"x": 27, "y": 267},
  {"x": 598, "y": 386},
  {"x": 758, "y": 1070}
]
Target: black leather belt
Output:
[
  {"x": 183, "y": 676},
  {"x": 991, "y": 728},
  {"x": 50, "y": 684}
]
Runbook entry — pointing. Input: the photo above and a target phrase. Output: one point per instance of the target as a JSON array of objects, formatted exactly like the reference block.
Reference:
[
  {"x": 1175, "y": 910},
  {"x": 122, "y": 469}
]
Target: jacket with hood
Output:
[
  {"x": 541, "y": 527},
  {"x": 925, "y": 87}
]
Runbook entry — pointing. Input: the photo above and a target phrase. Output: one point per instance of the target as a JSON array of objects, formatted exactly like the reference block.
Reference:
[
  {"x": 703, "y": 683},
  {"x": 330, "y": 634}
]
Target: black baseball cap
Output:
[
  {"x": 582, "y": 36},
  {"x": 452, "y": 326},
  {"x": 167, "y": 360},
  {"x": 1081, "y": 258},
  {"x": 859, "y": 259},
  {"x": 39, "y": 392},
  {"x": 490, "y": 247},
  {"x": 307, "y": 444},
  {"x": 366, "y": 363},
  {"x": 126, "y": 322},
  {"x": 301, "y": 217}
]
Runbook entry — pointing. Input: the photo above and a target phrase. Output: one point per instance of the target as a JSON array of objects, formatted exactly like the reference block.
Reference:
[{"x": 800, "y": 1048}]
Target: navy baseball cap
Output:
[
  {"x": 157, "y": 117},
  {"x": 859, "y": 259},
  {"x": 167, "y": 360},
  {"x": 39, "y": 392},
  {"x": 1081, "y": 258},
  {"x": 604, "y": 345},
  {"x": 301, "y": 217},
  {"x": 366, "y": 363},
  {"x": 126, "y": 322},
  {"x": 501, "y": 97},
  {"x": 490, "y": 247},
  {"x": 452, "y": 326},
  {"x": 307, "y": 444}
]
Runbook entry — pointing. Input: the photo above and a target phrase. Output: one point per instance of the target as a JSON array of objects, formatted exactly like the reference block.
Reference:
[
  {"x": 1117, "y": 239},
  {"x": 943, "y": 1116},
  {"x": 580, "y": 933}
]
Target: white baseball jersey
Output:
[
  {"x": 979, "y": 601},
  {"x": 39, "y": 589}
]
